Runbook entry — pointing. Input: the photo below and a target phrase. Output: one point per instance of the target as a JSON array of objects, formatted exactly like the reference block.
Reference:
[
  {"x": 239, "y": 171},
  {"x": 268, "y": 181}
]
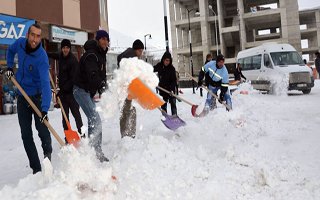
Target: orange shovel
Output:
[
  {"x": 71, "y": 135},
  {"x": 140, "y": 92}
]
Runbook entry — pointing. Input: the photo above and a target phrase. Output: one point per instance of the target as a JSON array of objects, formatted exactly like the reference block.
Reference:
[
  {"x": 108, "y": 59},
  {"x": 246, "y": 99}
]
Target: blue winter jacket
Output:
[
  {"x": 33, "y": 71},
  {"x": 217, "y": 75}
]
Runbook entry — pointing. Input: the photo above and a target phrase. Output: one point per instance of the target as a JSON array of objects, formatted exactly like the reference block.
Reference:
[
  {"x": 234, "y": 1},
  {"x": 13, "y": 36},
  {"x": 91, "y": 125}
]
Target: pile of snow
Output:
[
  {"x": 79, "y": 175},
  {"x": 266, "y": 148},
  {"x": 130, "y": 68}
]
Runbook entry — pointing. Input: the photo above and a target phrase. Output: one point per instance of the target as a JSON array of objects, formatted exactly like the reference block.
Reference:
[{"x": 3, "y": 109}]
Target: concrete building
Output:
[{"x": 229, "y": 26}]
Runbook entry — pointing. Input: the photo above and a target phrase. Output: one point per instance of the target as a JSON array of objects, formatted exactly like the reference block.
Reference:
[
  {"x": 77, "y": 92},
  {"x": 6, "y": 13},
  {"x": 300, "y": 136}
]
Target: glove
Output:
[
  {"x": 44, "y": 116},
  {"x": 102, "y": 88},
  {"x": 9, "y": 73},
  {"x": 221, "y": 97}
]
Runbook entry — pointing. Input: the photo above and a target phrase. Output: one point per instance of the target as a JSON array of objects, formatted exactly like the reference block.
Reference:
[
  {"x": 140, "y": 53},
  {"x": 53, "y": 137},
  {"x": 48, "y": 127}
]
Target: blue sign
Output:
[{"x": 12, "y": 28}]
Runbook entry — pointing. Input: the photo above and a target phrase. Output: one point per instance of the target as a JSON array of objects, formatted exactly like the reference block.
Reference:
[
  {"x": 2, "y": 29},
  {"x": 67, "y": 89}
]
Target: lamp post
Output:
[
  {"x": 166, "y": 24},
  {"x": 145, "y": 44},
  {"x": 190, "y": 46},
  {"x": 215, "y": 25}
]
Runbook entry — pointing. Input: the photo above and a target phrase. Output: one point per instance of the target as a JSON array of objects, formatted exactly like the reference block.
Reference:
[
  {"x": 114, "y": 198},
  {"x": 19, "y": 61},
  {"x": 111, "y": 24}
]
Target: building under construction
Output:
[{"x": 229, "y": 26}]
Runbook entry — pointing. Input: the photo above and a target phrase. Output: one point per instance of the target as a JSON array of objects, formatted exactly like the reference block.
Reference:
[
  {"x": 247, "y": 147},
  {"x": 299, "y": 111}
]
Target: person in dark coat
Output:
[
  {"x": 238, "y": 73},
  {"x": 167, "y": 80},
  {"x": 317, "y": 62},
  {"x": 90, "y": 78},
  {"x": 128, "y": 118},
  {"x": 67, "y": 64}
]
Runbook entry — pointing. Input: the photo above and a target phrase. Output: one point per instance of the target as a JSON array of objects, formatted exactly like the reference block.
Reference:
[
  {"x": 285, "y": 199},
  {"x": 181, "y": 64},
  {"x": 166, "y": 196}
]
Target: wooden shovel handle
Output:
[
  {"x": 213, "y": 94},
  {"x": 176, "y": 96},
  {"x": 37, "y": 111},
  {"x": 59, "y": 102}
]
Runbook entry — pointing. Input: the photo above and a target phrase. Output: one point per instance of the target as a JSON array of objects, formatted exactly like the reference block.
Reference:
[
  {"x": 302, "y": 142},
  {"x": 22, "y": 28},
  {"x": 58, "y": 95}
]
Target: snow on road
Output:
[{"x": 267, "y": 147}]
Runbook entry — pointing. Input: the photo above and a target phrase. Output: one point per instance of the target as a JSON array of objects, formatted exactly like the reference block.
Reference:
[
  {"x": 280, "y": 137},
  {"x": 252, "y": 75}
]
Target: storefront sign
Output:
[
  {"x": 76, "y": 37},
  {"x": 12, "y": 28}
]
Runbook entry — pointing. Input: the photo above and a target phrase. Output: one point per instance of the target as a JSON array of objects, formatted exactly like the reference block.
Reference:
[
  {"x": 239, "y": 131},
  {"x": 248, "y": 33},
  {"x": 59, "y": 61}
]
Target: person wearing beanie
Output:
[
  {"x": 167, "y": 80},
  {"x": 135, "y": 51},
  {"x": 217, "y": 78},
  {"x": 91, "y": 78},
  {"x": 67, "y": 65},
  {"x": 128, "y": 116}
]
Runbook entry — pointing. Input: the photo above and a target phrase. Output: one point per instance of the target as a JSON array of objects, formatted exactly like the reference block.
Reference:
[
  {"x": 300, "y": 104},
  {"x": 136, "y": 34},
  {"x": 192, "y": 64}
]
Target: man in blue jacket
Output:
[
  {"x": 217, "y": 78},
  {"x": 33, "y": 76}
]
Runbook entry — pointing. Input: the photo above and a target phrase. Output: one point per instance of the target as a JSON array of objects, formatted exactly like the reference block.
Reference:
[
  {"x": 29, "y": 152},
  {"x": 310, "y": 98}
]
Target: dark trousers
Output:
[
  {"x": 25, "y": 113},
  {"x": 69, "y": 102},
  {"x": 172, "y": 102}
]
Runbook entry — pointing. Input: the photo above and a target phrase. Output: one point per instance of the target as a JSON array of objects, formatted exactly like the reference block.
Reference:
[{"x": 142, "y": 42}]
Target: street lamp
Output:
[
  {"x": 145, "y": 44},
  {"x": 190, "y": 45},
  {"x": 215, "y": 25}
]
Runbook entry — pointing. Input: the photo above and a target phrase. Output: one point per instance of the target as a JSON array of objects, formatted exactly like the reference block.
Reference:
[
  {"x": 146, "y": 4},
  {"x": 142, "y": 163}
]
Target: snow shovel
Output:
[
  {"x": 193, "y": 107},
  {"x": 213, "y": 94},
  {"x": 37, "y": 111},
  {"x": 71, "y": 135},
  {"x": 147, "y": 99},
  {"x": 172, "y": 122},
  {"x": 140, "y": 92}
]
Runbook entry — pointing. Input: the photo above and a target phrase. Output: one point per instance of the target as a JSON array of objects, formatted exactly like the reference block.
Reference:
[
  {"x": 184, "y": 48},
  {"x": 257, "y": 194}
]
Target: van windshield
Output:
[{"x": 286, "y": 58}]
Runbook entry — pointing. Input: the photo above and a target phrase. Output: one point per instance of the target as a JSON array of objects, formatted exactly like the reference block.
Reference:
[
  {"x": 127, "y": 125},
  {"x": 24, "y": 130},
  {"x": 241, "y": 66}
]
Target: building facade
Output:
[
  {"x": 59, "y": 19},
  {"x": 229, "y": 26}
]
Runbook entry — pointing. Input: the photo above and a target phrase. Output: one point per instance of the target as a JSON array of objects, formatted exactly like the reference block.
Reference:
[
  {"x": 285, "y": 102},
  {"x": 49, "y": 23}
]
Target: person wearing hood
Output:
[
  {"x": 167, "y": 80},
  {"x": 33, "y": 76},
  {"x": 67, "y": 64},
  {"x": 89, "y": 79},
  {"x": 217, "y": 78},
  {"x": 128, "y": 118}
]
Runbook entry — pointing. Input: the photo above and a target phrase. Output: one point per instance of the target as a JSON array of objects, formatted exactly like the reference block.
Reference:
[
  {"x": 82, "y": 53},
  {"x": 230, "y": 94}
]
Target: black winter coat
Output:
[
  {"x": 67, "y": 65},
  {"x": 91, "y": 75},
  {"x": 128, "y": 53},
  {"x": 167, "y": 77},
  {"x": 238, "y": 74}
]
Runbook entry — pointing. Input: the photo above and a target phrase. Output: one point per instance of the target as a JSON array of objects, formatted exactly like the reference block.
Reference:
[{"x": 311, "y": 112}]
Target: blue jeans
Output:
[
  {"x": 25, "y": 113},
  {"x": 211, "y": 101},
  {"x": 94, "y": 121}
]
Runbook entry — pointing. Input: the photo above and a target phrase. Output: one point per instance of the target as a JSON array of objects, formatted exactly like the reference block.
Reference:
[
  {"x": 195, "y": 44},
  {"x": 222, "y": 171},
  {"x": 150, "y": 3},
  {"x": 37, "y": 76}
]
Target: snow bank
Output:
[
  {"x": 130, "y": 68},
  {"x": 79, "y": 175}
]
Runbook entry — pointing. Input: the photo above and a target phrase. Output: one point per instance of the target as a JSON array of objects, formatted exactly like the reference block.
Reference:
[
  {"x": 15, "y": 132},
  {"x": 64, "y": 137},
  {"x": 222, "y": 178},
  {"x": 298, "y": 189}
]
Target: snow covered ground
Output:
[{"x": 267, "y": 147}]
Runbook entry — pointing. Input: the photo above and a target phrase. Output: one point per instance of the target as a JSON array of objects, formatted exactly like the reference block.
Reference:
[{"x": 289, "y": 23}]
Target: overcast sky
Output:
[{"x": 136, "y": 18}]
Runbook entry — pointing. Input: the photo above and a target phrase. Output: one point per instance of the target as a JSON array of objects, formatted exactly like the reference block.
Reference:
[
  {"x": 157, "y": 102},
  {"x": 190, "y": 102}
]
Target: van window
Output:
[
  {"x": 286, "y": 58},
  {"x": 256, "y": 62},
  {"x": 267, "y": 61},
  {"x": 250, "y": 63}
]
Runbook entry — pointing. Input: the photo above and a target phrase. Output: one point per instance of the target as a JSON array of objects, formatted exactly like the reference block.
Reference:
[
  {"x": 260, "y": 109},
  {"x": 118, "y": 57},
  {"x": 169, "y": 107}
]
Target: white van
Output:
[{"x": 263, "y": 64}]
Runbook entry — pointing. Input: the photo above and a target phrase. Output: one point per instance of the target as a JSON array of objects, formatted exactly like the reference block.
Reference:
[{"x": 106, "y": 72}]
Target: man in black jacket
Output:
[
  {"x": 128, "y": 118},
  {"x": 167, "y": 80},
  {"x": 90, "y": 78},
  {"x": 67, "y": 64}
]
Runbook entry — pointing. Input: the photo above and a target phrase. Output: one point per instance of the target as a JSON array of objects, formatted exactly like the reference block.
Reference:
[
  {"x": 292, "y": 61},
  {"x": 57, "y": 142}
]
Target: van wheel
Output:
[{"x": 306, "y": 91}]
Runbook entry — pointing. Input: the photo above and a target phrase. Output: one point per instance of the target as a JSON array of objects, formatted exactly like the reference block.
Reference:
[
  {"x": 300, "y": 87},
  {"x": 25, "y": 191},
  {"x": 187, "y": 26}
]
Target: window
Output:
[
  {"x": 267, "y": 61},
  {"x": 286, "y": 58},
  {"x": 250, "y": 63},
  {"x": 256, "y": 62}
]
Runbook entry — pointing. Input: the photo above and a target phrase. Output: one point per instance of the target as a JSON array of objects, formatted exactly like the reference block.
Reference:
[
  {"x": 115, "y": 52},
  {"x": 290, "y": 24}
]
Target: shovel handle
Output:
[
  {"x": 176, "y": 96},
  {"x": 213, "y": 94},
  {"x": 59, "y": 102},
  {"x": 37, "y": 111}
]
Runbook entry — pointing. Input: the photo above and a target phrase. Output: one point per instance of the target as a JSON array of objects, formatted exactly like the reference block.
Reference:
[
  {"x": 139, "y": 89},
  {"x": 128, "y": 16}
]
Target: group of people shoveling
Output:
[{"x": 80, "y": 81}]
